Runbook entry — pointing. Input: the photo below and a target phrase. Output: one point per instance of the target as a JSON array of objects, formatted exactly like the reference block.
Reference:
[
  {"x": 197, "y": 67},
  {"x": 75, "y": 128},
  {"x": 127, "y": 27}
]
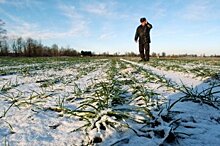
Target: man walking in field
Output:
[{"x": 143, "y": 35}]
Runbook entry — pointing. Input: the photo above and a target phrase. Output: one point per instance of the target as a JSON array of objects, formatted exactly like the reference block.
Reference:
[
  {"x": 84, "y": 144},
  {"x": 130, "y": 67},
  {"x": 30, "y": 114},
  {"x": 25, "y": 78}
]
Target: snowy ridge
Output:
[{"x": 174, "y": 76}]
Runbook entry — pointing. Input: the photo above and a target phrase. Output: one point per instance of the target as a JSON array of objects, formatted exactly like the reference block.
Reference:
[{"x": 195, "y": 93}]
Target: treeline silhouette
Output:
[
  {"x": 30, "y": 47},
  {"x": 33, "y": 48}
]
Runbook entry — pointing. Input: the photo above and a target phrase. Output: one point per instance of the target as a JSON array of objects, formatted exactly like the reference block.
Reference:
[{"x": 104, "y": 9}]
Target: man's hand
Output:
[{"x": 149, "y": 25}]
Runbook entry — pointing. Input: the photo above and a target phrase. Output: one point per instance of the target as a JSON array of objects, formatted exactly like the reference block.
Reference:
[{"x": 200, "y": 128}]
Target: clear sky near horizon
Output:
[{"x": 179, "y": 26}]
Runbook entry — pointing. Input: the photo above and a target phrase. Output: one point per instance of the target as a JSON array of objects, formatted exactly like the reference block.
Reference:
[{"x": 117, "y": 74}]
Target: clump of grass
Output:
[
  {"x": 77, "y": 90},
  {"x": 207, "y": 96},
  {"x": 9, "y": 85},
  {"x": 6, "y": 110},
  {"x": 5, "y": 142},
  {"x": 19, "y": 99},
  {"x": 155, "y": 78},
  {"x": 61, "y": 102},
  {"x": 50, "y": 82}
]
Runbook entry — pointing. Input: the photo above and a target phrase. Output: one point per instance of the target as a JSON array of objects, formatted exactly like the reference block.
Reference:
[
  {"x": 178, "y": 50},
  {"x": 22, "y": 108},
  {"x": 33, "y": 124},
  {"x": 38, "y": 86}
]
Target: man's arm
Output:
[
  {"x": 149, "y": 25},
  {"x": 136, "y": 35}
]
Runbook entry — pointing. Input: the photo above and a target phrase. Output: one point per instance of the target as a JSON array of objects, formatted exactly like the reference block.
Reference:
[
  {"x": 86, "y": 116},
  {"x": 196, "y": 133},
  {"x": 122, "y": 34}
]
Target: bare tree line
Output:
[
  {"x": 3, "y": 39},
  {"x": 30, "y": 47}
]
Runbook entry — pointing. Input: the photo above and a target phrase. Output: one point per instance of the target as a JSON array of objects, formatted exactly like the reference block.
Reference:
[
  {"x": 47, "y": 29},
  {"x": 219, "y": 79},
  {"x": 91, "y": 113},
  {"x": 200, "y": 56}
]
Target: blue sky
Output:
[{"x": 179, "y": 26}]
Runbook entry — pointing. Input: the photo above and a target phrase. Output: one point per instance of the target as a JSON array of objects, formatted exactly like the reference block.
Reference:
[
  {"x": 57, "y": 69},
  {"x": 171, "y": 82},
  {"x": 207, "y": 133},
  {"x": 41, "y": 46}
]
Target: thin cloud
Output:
[
  {"x": 29, "y": 30},
  {"x": 207, "y": 32},
  {"x": 159, "y": 10},
  {"x": 2, "y": 1},
  {"x": 18, "y": 27},
  {"x": 23, "y": 3},
  {"x": 78, "y": 22},
  {"x": 107, "y": 36},
  {"x": 198, "y": 10},
  {"x": 98, "y": 9},
  {"x": 69, "y": 11},
  {"x": 105, "y": 9}
]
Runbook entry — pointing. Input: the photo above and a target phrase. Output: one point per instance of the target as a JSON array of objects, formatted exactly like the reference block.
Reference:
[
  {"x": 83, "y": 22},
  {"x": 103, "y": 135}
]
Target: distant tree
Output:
[
  {"x": 46, "y": 51},
  {"x": 163, "y": 54},
  {"x": 55, "y": 50},
  {"x": 3, "y": 31},
  {"x": 40, "y": 49},
  {"x": 55, "y": 46},
  {"x": 130, "y": 54},
  {"x": 4, "y": 49},
  {"x": 154, "y": 54},
  {"x": 20, "y": 45},
  {"x": 116, "y": 54},
  {"x": 158, "y": 55},
  {"x": 105, "y": 54},
  {"x": 14, "y": 48},
  {"x": 69, "y": 52},
  {"x": 29, "y": 47},
  {"x": 33, "y": 48}
]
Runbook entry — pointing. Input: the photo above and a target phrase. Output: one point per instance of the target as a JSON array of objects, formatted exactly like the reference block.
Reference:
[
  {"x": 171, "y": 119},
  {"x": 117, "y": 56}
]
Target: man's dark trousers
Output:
[{"x": 144, "y": 49}]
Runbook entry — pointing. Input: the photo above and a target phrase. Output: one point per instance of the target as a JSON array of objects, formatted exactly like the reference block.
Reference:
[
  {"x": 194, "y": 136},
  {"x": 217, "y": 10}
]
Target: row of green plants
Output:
[
  {"x": 27, "y": 70},
  {"x": 16, "y": 101},
  {"x": 82, "y": 70},
  {"x": 16, "y": 61},
  {"x": 107, "y": 106},
  {"x": 209, "y": 95},
  {"x": 198, "y": 68},
  {"x": 35, "y": 100}
]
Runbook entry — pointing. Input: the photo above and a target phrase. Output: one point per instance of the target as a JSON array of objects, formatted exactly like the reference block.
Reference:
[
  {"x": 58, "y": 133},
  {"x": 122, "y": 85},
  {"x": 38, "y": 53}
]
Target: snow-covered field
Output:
[{"x": 109, "y": 102}]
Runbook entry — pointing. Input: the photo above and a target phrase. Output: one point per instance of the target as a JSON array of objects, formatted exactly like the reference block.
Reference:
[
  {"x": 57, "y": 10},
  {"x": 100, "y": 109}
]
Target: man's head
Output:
[{"x": 143, "y": 21}]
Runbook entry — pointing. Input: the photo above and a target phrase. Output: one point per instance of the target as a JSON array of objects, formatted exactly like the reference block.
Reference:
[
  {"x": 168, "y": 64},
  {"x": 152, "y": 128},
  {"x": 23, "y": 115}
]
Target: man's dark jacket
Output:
[{"x": 143, "y": 33}]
